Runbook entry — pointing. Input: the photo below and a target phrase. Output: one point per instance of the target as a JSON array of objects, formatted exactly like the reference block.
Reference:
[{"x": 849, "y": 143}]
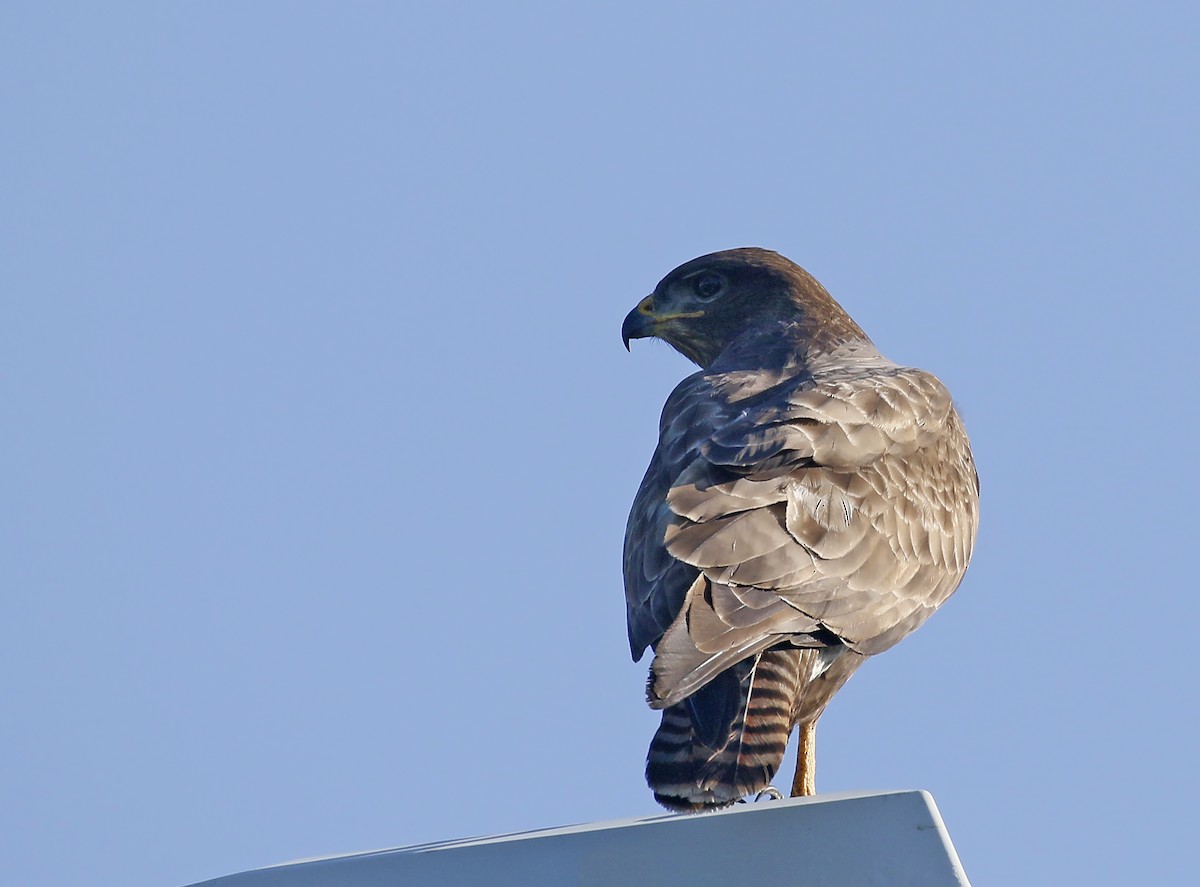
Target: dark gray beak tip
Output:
[{"x": 634, "y": 327}]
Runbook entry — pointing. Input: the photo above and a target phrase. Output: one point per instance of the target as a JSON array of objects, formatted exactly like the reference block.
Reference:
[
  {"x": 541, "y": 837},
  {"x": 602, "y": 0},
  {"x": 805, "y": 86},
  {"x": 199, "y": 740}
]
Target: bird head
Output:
[{"x": 704, "y": 305}]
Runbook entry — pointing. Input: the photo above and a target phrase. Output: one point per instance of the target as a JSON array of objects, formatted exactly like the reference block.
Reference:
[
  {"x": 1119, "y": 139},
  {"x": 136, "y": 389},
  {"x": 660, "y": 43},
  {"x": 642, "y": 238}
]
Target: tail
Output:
[{"x": 727, "y": 739}]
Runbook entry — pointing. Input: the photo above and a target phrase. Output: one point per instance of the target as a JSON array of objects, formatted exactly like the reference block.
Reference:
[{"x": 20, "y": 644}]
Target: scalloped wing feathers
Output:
[{"x": 814, "y": 508}]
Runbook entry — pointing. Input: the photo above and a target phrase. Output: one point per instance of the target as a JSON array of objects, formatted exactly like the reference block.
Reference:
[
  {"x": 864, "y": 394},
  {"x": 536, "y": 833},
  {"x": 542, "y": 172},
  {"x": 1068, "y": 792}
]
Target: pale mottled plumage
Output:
[{"x": 809, "y": 504}]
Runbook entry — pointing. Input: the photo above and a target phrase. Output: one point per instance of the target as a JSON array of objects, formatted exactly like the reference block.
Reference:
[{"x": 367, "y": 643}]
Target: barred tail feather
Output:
[{"x": 708, "y": 752}]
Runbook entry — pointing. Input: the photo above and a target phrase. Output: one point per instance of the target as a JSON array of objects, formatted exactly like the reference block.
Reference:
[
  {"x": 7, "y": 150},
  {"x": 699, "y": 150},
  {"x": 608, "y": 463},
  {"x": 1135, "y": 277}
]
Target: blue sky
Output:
[{"x": 320, "y": 437}]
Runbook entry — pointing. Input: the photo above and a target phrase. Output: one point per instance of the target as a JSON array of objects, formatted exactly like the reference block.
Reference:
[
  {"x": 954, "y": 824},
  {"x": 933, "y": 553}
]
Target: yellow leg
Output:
[{"x": 805, "y": 783}]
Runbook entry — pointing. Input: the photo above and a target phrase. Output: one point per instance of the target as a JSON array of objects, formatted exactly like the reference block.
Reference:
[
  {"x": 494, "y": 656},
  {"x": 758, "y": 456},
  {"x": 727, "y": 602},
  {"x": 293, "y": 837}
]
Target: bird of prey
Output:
[{"x": 809, "y": 504}]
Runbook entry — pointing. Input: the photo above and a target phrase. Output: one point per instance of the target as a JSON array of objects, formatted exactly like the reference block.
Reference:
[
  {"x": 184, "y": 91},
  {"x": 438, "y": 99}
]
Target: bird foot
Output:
[{"x": 770, "y": 793}]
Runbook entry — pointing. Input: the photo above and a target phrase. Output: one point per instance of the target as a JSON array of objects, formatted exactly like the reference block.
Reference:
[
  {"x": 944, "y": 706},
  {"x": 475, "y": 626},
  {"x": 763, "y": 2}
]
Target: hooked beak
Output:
[
  {"x": 639, "y": 323},
  {"x": 642, "y": 322}
]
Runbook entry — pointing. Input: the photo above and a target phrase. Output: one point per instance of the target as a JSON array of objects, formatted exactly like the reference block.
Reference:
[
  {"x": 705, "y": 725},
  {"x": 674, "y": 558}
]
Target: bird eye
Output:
[{"x": 708, "y": 285}]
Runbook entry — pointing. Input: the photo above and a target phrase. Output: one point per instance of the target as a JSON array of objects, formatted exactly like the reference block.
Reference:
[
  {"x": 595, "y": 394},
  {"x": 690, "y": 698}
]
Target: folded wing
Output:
[{"x": 818, "y": 510}]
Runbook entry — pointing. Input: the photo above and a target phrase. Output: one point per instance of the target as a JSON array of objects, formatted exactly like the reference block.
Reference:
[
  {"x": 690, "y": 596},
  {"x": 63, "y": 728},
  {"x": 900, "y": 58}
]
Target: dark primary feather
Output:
[{"x": 810, "y": 503}]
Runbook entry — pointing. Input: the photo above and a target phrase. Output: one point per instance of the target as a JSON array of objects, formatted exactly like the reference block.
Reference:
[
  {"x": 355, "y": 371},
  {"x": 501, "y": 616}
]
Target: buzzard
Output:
[{"x": 809, "y": 504}]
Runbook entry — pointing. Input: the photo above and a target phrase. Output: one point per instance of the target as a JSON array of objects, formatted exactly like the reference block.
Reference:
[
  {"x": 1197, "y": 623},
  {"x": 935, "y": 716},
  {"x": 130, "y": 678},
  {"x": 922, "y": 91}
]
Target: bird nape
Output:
[{"x": 809, "y": 504}]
